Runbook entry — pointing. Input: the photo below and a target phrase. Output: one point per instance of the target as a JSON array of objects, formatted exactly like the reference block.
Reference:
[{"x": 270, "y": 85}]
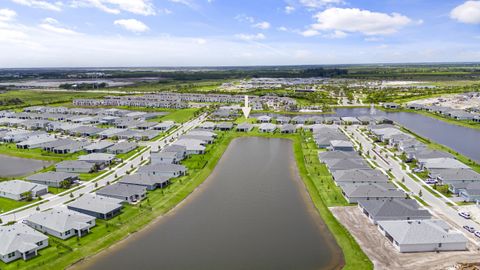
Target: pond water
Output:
[
  {"x": 253, "y": 212},
  {"x": 461, "y": 139},
  {"x": 14, "y": 166}
]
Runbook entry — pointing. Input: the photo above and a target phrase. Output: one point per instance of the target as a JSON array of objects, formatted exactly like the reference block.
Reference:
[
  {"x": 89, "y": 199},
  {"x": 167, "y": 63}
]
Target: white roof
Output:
[
  {"x": 97, "y": 204},
  {"x": 19, "y": 237},
  {"x": 443, "y": 163},
  {"x": 61, "y": 219},
  {"x": 18, "y": 187}
]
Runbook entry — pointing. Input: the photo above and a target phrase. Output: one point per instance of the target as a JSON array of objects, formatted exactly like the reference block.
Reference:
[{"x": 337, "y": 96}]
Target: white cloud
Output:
[
  {"x": 468, "y": 12},
  {"x": 188, "y": 3},
  {"x": 132, "y": 25},
  {"x": 7, "y": 15},
  {"x": 250, "y": 37},
  {"x": 310, "y": 33},
  {"x": 55, "y": 6},
  {"x": 262, "y": 25},
  {"x": 52, "y": 25},
  {"x": 289, "y": 9},
  {"x": 354, "y": 20},
  {"x": 282, "y": 29},
  {"x": 319, "y": 3},
  {"x": 244, "y": 18},
  {"x": 165, "y": 11},
  {"x": 140, "y": 7}
]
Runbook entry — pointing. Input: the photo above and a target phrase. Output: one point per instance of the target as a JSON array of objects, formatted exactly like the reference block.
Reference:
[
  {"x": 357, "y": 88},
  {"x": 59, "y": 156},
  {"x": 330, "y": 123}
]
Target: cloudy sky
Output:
[{"x": 106, "y": 33}]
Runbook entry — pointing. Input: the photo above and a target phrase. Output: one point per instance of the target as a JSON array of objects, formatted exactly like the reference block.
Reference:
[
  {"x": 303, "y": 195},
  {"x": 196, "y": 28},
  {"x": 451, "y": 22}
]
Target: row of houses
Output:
[
  {"x": 443, "y": 167},
  {"x": 182, "y": 100},
  {"x": 316, "y": 119},
  {"x": 408, "y": 226},
  {"x": 445, "y": 111}
]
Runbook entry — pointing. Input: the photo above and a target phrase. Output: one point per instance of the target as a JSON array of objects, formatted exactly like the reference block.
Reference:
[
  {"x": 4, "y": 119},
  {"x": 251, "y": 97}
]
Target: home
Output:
[
  {"x": 244, "y": 127},
  {"x": 193, "y": 146},
  {"x": 264, "y": 119},
  {"x": 350, "y": 120},
  {"x": 471, "y": 192},
  {"x": 346, "y": 164},
  {"x": 121, "y": 148},
  {"x": 126, "y": 192},
  {"x": 101, "y": 160},
  {"x": 283, "y": 120},
  {"x": 299, "y": 119},
  {"x": 170, "y": 170},
  {"x": 73, "y": 147},
  {"x": 365, "y": 120},
  {"x": 20, "y": 241},
  {"x": 54, "y": 179},
  {"x": 390, "y": 105},
  {"x": 164, "y": 158},
  {"x": 146, "y": 125},
  {"x": 370, "y": 191},
  {"x": 179, "y": 150},
  {"x": 329, "y": 155},
  {"x": 426, "y": 235},
  {"x": 201, "y": 132},
  {"x": 267, "y": 127},
  {"x": 341, "y": 145},
  {"x": 20, "y": 190},
  {"x": 224, "y": 126},
  {"x": 35, "y": 142},
  {"x": 97, "y": 206},
  {"x": 75, "y": 166},
  {"x": 205, "y": 139},
  {"x": 454, "y": 176},
  {"x": 98, "y": 147},
  {"x": 164, "y": 126},
  {"x": 287, "y": 129},
  {"x": 354, "y": 176},
  {"x": 85, "y": 131},
  {"x": 146, "y": 135},
  {"x": 208, "y": 125},
  {"x": 440, "y": 163},
  {"x": 150, "y": 182},
  {"x": 61, "y": 223},
  {"x": 393, "y": 209}
]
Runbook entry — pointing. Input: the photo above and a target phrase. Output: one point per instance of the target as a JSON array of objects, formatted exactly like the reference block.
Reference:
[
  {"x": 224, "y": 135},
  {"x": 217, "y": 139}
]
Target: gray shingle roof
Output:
[
  {"x": 124, "y": 190},
  {"x": 19, "y": 237},
  {"x": 97, "y": 204},
  {"x": 398, "y": 208},
  {"x": 61, "y": 220}
]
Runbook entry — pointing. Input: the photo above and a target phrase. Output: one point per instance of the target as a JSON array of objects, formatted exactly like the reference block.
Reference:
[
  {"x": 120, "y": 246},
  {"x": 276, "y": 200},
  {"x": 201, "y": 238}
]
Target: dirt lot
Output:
[{"x": 384, "y": 255}]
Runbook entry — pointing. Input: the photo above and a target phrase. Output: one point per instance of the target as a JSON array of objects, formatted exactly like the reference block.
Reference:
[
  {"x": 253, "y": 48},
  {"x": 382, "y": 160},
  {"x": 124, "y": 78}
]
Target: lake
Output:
[
  {"x": 253, "y": 212},
  {"x": 14, "y": 166},
  {"x": 461, "y": 139}
]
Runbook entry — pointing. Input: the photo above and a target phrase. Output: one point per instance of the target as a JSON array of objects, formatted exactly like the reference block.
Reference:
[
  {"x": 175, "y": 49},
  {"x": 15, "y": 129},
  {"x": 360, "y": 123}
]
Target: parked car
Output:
[
  {"x": 477, "y": 234},
  {"x": 431, "y": 181},
  {"x": 469, "y": 229},
  {"x": 465, "y": 215},
  {"x": 417, "y": 170}
]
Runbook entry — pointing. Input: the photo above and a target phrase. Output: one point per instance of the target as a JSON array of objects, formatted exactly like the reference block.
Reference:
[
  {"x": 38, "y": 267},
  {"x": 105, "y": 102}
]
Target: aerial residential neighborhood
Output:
[{"x": 210, "y": 134}]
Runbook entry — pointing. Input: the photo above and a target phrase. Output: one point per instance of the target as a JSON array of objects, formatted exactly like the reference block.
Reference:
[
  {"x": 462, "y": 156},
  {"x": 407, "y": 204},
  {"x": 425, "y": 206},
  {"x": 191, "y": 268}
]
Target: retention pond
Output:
[{"x": 253, "y": 212}]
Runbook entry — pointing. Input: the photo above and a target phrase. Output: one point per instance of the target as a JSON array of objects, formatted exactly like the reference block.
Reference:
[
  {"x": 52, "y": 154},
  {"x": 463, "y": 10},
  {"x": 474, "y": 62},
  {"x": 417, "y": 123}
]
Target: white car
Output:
[
  {"x": 465, "y": 215},
  {"x": 477, "y": 234}
]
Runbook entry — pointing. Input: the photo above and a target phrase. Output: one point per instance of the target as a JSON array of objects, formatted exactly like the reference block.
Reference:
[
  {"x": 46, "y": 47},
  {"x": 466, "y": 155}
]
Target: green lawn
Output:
[
  {"x": 7, "y": 204},
  {"x": 10, "y": 149},
  {"x": 180, "y": 116}
]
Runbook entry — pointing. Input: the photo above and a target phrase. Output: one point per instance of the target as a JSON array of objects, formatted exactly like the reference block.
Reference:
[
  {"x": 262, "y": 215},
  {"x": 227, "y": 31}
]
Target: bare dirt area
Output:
[{"x": 385, "y": 256}]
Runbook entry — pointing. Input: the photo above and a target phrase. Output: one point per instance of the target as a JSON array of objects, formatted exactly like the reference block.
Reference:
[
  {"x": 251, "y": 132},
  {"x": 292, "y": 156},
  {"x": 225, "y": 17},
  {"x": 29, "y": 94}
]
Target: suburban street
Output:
[
  {"x": 438, "y": 205},
  {"x": 113, "y": 174}
]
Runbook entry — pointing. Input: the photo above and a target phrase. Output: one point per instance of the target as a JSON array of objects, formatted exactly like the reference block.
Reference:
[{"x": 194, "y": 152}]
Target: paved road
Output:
[
  {"x": 118, "y": 171},
  {"x": 438, "y": 205}
]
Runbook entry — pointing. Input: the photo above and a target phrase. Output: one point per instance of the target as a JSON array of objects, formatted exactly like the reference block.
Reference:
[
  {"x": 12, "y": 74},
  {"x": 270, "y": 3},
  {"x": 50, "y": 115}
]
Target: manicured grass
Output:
[
  {"x": 429, "y": 189},
  {"x": 128, "y": 155},
  {"x": 421, "y": 201},
  {"x": 180, "y": 116},
  {"x": 7, "y": 204},
  {"x": 403, "y": 186}
]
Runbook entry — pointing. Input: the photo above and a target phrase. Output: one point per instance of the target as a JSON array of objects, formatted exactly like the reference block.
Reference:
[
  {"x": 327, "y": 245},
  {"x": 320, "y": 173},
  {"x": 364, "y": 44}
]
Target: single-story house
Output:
[
  {"x": 75, "y": 166},
  {"x": 454, "y": 176},
  {"x": 54, "y": 179},
  {"x": 19, "y": 190},
  {"x": 97, "y": 206},
  {"x": 264, "y": 119},
  {"x": 267, "y": 127},
  {"x": 100, "y": 159},
  {"x": 471, "y": 193},
  {"x": 341, "y": 145},
  {"x": 165, "y": 157},
  {"x": 346, "y": 164},
  {"x": 208, "y": 125},
  {"x": 422, "y": 235},
  {"x": 287, "y": 128},
  {"x": 393, "y": 209},
  {"x": 441, "y": 163},
  {"x": 193, "y": 146},
  {"x": 170, "y": 170},
  {"x": 20, "y": 241},
  {"x": 391, "y": 105},
  {"x": 85, "y": 131},
  {"x": 329, "y": 155},
  {"x": 370, "y": 191},
  {"x": 98, "y": 147},
  {"x": 224, "y": 126},
  {"x": 180, "y": 150},
  {"x": 73, "y": 147},
  {"x": 126, "y": 192},
  {"x": 61, "y": 223},
  {"x": 359, "y": 176},
  {"x": 121, "y": 148},
  {"x": 244, "y": 127},
  {"x": 150, "y": 182},
  {"x": 164, "y": 126}
]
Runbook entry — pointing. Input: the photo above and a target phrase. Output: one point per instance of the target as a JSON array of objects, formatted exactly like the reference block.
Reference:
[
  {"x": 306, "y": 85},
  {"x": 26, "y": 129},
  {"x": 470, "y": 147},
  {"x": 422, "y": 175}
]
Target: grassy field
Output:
[
  {"x": 7, "y": 204},
  {"x": 180, "y": 116},
  {"x": 63, "y": 253},
  {"x": 10, "y": 149},
  {"x": 26, "y": 98}
]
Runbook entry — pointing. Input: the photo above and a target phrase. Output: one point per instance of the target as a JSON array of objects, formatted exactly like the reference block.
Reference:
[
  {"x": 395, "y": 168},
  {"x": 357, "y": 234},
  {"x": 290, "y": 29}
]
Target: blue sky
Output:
[{"x": 62, "y": 33}]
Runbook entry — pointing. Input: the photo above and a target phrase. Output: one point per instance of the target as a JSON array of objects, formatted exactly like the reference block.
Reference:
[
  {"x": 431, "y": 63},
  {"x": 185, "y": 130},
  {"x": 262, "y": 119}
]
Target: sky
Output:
[{"x": 136, "y": 33}]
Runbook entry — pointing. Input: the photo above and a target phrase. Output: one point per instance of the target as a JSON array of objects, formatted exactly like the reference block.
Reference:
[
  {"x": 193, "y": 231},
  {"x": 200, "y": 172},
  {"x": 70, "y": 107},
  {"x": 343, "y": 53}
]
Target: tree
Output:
[{"x": 420, "y": 194}]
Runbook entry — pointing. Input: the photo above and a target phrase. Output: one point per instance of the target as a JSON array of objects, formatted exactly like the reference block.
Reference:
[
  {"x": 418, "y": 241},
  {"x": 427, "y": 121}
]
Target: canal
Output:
[
  {"x": 253, "y": 212},
  {"x": 464, "y": 140}
]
